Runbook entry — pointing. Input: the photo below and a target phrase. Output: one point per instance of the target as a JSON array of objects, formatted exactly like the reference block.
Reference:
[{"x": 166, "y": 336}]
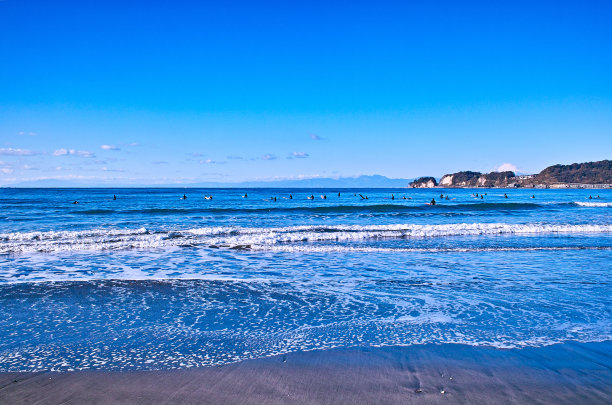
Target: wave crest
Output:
[{"x": 237, "y": 237}]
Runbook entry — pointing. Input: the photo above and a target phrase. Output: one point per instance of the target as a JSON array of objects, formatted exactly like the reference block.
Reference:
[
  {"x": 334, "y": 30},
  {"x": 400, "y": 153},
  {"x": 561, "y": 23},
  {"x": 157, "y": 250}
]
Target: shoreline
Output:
[{"x": 450, "y": 373}]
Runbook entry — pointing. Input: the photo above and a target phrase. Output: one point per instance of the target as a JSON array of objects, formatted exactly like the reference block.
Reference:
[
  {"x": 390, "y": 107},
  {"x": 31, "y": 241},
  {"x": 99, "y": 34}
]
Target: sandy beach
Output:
[{"x": 570, "y": 373}]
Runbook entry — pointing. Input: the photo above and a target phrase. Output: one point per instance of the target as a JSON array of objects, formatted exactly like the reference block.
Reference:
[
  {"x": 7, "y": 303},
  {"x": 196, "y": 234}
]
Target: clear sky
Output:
[{"x": 180, "y": 91}]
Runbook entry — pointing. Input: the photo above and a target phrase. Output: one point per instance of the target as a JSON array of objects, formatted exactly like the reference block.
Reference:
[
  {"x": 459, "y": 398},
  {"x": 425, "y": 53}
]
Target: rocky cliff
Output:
[
  {"x": 477, "y": 179},
  {"x": 424, "y": 182}
]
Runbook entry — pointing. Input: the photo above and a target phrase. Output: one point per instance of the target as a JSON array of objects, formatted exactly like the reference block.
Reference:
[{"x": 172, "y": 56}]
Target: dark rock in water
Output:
[{"x": 240, "y": 247}]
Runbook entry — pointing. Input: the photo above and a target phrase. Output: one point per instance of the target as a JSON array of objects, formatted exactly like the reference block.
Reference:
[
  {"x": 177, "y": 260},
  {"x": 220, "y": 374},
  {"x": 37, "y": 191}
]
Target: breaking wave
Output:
[
  {"x": 262, "y": 238},
  {"x": 593, "y": 204}
]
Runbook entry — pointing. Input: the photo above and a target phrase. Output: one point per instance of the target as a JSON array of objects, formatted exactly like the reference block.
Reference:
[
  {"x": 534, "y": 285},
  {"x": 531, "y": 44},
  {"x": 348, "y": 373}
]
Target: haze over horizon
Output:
[{"x": 152, "y": 93}]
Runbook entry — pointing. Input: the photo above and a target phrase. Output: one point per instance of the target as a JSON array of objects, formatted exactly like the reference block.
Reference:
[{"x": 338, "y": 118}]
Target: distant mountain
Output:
[{"x": 371, "y": 181}]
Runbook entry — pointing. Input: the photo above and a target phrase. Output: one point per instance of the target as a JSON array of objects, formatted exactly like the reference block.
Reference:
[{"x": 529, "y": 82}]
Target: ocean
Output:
[{"x": 151, "y": 281}]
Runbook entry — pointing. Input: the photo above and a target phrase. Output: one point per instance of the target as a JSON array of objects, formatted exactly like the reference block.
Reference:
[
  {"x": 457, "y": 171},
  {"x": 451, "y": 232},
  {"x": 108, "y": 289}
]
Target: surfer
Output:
[
  {"x": 290, "y": 197},
  {"x": 590, "y": 198},
  {"x": 245, "y": 195},
  {"x": 441, "y": 196},
  {"x": 481, "y": 197},
  {"x": 76, "y": 202},
  {"x": 114, "y": 197},
  {"x": 311, "y": 197},
  {"x": 433, "y": 201},
  {"x": 324, "y": 197},
  {"x": 338, "y": 194},
  {"x": 392, "y": 197},
  {"x": 505, "y": 195},
  {"x": 184, "y": 196}
]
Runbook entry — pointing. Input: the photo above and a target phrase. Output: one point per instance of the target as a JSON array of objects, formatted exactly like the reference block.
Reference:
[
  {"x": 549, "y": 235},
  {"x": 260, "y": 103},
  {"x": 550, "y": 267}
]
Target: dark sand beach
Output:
[{"x": 571, "y": 373}]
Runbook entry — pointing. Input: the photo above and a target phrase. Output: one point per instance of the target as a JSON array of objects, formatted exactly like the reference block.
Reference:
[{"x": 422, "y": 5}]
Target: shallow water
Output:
[{"x": 151, "y": 281}]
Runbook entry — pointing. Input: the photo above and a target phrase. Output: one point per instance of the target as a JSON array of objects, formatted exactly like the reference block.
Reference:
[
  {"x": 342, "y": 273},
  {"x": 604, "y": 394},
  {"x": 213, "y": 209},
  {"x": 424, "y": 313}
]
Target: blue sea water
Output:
[{"x": 153, "y": 281}]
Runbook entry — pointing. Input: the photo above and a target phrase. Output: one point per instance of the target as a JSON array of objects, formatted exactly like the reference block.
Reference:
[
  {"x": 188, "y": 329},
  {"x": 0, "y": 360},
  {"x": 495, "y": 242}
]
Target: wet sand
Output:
[{"x": 571, "y": 373}]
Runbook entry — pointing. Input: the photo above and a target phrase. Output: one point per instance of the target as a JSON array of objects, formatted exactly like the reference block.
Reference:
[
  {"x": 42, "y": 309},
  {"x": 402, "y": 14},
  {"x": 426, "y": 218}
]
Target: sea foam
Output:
[{"x": 260, "y": 238}]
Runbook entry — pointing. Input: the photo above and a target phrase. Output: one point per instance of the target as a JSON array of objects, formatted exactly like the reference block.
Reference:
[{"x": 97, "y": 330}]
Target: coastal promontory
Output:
[{"x": 576, "y": 175}]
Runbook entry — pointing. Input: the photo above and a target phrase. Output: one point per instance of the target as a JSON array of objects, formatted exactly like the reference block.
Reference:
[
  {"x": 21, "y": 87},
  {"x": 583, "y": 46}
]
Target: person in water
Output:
[
  {"x": 290, "y": 197},
  {"x": 392, "y": 197},
  {"x": 505, "y": 195},
  {"x": 76, "y": 202},
  {"x": 590, "y": 198},
  {"x": 245, "y": 195},
  {"x": 481, "y": 197},
  {"x": 114, "y": 197},
  {"x": 184, "y": 196},
  {"x": 338, "y": 194},
  {"x": 433, "y": 201}
]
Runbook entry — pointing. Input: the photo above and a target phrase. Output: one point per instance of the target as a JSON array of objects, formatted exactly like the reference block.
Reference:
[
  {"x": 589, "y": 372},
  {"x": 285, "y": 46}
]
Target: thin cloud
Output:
[
  {"x": 268, "y": 157},
  {"x": 235, "y": 157},
  {"x": 300, "y": 155},
  {"x": 109, "y": 147},
  {"x": 17, "y": 152},
  {"x": 211, "y": 162},
  {"x": 73, "y": 152},
  {"x": 160, "y": 162},
  {"x": 26, "y": 133},
  {"x": 315, "y": 137},
  {"x": 6, "y": 170}
]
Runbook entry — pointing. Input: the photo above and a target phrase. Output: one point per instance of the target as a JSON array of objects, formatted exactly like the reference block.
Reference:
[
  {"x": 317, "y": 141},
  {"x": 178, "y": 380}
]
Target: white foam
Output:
[
  {"x": 141, "y": 238},
  {"x": 593, "y": 204}
]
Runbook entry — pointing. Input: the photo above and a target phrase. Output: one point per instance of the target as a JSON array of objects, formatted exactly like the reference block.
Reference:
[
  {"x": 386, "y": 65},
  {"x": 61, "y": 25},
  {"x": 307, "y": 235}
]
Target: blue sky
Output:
[{"x": 176, "y": 92}]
